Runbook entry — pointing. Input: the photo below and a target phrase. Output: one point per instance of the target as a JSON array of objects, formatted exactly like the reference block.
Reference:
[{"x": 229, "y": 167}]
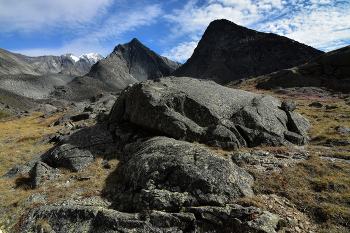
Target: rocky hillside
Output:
[
  {"x": 10, "y": 64},
  {"x": 328, "y": 72},
  {"x": 162, "y": 176},
  {"x": 228, "y": 52},
  {"x": 130, "y": 63}
]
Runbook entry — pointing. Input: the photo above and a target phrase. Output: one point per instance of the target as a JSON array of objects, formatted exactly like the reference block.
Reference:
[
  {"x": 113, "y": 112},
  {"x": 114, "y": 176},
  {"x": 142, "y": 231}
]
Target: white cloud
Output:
[
  {"x": 28, "y": 16},
  {"x": 103, "y": 39},
  {"x": 194, "y": 19},
  {"x": 324, "y": 26},
  {"x": 181, "y": 52}
]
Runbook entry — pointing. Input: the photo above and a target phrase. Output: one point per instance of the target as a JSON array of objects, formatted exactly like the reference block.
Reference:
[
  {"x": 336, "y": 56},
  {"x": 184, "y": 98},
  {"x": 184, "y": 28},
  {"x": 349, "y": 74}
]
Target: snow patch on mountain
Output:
[
  {"x": 92, "y": 58},
  {"x": 76, "y": 59}
]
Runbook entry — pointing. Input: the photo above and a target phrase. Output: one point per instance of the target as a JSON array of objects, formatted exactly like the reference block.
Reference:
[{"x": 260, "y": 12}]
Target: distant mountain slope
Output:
[
  {"x": 56, "y": 64},
  {"x": 33, "y": 86},
  {"x": 10, "y": 64},
  {"x": 229, "y": 52},
  {"x": 14, "y": 103},
  {"x": 330, "y": 71},
  {"x": 130, "y": 63},
  {"x": 73, "y": 71}
]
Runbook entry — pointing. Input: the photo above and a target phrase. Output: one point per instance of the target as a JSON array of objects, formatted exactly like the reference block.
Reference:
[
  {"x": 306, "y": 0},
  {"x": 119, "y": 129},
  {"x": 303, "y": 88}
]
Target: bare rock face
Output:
[
  {"x": 80, "y": 218},
  {"x": 130, "y": 63},
  {"x": 203, "y": 111},
  {"x": 229, "y": 52}
]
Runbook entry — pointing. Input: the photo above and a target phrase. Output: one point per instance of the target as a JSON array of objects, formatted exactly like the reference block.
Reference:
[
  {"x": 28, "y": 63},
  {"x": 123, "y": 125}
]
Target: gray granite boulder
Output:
[
  {"x": 75, "y": 152},
  {"x": 41, "y": 172},
  {"x": 166, "y": 174},
  {"x": 342, "y": 129},
  {"x": 203, "y": 111}
]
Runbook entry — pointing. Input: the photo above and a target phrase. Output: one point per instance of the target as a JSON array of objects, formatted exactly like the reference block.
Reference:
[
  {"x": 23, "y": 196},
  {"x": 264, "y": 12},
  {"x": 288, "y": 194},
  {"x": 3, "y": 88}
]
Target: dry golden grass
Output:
[
  {"x": 26, "y": 131},
  {"x": 14, "y": 193},
  {"x": 91, "y": 182},
  {"x": 319, "y": 187}
]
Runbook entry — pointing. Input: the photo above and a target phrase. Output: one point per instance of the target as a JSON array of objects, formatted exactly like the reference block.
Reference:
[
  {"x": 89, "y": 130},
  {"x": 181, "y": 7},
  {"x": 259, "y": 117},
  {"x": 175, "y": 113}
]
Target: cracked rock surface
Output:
[{"x": 203, "y": 111}]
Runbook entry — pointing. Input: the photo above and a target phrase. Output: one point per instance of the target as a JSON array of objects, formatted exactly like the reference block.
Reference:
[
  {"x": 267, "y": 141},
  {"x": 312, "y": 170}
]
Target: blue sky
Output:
[{"x": 171, "y": 28}]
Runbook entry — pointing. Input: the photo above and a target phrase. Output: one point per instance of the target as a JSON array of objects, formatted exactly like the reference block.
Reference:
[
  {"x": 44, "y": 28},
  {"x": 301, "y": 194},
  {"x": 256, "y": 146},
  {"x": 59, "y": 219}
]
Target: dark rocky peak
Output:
[
  {"x": 129, "y": 63},
  {"x": 228, "y": 52},
  {"x": 223, "y": 26},
  {"x": 135, "y": 42}
]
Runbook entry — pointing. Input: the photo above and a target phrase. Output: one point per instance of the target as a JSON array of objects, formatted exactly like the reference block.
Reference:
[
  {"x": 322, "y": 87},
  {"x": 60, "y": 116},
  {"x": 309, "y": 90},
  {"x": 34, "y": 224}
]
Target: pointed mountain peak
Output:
[
  {"x": 222, "y": 22},
  {"x": 228, "y": 52},
  {"x": 135, "y": 41},
  {"x": 224, "y": 26}
]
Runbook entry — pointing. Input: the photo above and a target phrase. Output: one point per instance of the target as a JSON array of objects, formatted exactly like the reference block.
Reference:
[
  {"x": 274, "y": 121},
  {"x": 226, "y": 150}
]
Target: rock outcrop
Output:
[
  {"x": 231, "y": 218},
  {"x": 229, "y": 52},
  {"x": 165, "y": 185},
  {"x": 203, "y": 111}
]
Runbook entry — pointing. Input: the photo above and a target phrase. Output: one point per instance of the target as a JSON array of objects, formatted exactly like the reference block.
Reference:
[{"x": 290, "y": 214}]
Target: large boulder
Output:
[
  {"x": 203, "y": 111},
  {"x": 75, "y": 152},
  {"x": 166, "y": 174}
]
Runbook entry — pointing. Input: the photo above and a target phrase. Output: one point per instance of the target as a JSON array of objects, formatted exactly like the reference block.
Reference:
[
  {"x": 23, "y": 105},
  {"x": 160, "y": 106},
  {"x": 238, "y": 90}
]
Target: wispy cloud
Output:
[
  {"x": 28, "y": 16},
  {"x": 323, "y": 24},
  {"x": 181, "y": 52},
  {"x": 102, "y": 38}
]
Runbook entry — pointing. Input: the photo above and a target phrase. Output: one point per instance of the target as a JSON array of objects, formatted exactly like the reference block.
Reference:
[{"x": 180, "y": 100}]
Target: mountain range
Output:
[
  {"x": 226, "y": 52},
  {"x": 66, "y": 64}
]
